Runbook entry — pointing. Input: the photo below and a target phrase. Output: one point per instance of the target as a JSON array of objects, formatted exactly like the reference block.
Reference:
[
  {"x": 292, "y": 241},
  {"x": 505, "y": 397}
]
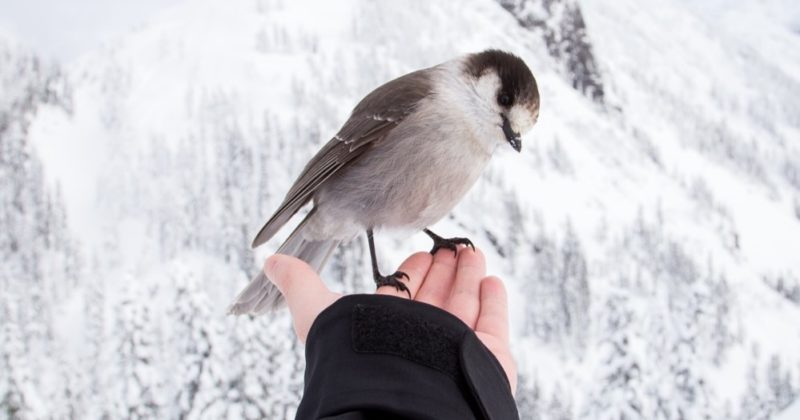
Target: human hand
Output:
[{"x": 457, "y": 285}]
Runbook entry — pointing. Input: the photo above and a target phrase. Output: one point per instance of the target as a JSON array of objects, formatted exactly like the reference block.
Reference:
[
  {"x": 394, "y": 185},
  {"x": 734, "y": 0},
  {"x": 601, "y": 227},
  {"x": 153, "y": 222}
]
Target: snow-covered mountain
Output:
[{"x": 649, "y": 232}]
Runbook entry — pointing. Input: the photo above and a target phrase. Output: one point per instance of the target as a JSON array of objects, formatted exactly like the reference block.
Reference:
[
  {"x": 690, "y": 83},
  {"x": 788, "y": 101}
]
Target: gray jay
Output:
[{"x": 408, "y": 153}]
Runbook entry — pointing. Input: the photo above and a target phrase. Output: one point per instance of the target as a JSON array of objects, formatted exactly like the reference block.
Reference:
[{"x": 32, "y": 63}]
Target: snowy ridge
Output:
[{"x": 649, "y": 239}]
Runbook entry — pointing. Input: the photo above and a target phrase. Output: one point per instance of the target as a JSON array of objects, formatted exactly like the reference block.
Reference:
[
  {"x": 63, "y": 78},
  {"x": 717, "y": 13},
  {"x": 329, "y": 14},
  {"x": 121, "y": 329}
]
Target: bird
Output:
[{"x": 407, "y": 154}]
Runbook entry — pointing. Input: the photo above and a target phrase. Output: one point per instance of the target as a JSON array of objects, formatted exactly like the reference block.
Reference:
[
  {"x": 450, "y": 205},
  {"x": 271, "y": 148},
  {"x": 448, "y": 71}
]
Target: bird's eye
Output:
[{"x": 504, "y": 99}]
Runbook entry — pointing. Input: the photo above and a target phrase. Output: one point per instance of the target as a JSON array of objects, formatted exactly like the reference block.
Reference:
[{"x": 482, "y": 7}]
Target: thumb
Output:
[
  {"x": 292, "y": 276},
  {"x": 301, "y": 286}
]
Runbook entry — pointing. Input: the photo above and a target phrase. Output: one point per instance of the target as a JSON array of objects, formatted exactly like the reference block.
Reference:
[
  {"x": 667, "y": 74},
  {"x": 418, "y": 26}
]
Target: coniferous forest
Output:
[{"x": 648, "y": 233}]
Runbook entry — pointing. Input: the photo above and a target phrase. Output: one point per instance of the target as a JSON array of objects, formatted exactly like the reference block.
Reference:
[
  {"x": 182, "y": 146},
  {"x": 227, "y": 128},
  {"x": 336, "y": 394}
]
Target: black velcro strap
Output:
[{"x": 401, "y": 331}]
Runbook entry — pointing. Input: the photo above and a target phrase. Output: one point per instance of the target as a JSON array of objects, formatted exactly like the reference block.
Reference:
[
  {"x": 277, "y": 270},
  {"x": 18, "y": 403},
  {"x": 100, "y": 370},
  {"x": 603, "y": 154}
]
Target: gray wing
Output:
[{"x": 370, "y": 122}]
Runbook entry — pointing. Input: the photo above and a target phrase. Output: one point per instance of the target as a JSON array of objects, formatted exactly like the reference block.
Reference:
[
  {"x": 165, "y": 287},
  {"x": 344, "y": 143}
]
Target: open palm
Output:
[{"x": 458, "y": 285}]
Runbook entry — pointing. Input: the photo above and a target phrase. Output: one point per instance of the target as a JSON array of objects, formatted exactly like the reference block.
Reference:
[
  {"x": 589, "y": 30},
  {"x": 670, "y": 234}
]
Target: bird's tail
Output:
[{"x": 261, "y": 295}]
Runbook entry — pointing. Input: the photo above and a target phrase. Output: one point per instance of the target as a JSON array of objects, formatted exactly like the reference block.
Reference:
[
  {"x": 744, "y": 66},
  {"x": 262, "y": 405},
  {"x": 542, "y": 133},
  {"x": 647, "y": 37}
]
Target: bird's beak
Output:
[{"x": 512, "y": 136}]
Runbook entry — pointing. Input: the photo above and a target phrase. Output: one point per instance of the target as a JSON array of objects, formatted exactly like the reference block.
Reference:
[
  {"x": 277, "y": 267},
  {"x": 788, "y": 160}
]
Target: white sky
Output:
[{"x": 64, "y": 29}]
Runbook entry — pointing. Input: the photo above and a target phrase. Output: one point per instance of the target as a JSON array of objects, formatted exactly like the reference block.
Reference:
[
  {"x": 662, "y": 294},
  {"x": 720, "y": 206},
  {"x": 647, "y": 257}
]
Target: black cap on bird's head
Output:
[{"x": 517, "y": 96}]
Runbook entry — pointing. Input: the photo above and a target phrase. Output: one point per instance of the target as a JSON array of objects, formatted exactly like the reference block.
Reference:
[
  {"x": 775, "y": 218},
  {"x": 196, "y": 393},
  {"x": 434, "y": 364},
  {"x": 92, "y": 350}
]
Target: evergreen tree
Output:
[
  {"x": 753, "y": 404},
  {"x": 528, "y": 398},
  {"x": 779, "y": 385},
  {"x": 192, "y": 335},
  {"x": 560, "y": 407},
  {"x": 574, "y": 289},
  {"x": 559, "y": 292},
  {"x": 219, "y": 384},
  {"x": 18, "y": 390},
  {"x": 95, "y": 338},
  {"x": 137, "y": 385},
  {"x": 39, "y": 262},
  {"x": 235, "y": 161},
  {"x": 616, "y": 393},
  {"x": 562, "y": 27}
]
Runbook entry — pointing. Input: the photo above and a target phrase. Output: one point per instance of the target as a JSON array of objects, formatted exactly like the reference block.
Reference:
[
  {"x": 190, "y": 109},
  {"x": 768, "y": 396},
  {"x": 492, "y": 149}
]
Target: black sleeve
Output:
[{"x": 383, "y": 357}]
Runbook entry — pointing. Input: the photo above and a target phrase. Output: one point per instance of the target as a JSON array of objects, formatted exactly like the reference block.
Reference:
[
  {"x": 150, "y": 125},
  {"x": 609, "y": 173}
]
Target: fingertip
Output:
[
  {"x": 492, "y": 285},
  {"x": 464, "y": 299},
  {"x": 271, "y": 264},
  {"x": 444, "y": 255},
  {"x": 436, "y": 288},
  {"x": 491, "y": 278},
  {"x": 419, "y": 260},
  {"x": 415, "y": 267},
  {"x": 282, "y": 270},
  {"x": 303, "y": 289},
  {"x": 493, "y": 319},
  {"x": 276, "y": 268},
  {"x": 467, "y": 257},
  {"x": 468, "y": 249}
]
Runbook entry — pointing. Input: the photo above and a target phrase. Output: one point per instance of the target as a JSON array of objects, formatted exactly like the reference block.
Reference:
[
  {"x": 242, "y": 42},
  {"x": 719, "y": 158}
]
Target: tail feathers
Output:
[
  {"x": 261, "y": 295},
  {"x": 314, "y": 253}
]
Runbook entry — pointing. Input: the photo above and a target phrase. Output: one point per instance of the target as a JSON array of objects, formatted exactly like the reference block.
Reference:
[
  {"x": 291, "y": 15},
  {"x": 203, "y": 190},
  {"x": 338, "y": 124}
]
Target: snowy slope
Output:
[
  {"x": 649, "y": 239},
  {"x": 791, "y": 413}
]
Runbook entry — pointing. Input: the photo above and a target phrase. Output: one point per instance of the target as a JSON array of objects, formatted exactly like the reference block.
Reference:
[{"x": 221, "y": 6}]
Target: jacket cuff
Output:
[{"x": 410, "y": 358}]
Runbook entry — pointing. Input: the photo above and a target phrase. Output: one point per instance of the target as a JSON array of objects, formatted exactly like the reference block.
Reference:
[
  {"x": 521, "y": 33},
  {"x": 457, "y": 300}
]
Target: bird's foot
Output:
[
  {"x": 448, "y": 243},
  {"x": 393, "y": 280}
]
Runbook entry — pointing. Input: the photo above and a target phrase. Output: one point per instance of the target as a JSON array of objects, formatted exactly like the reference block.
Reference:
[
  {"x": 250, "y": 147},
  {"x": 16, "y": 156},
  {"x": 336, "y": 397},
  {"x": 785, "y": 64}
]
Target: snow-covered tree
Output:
[
  {"x": 617, "y": 389},
  {"x": 137, "y": 384},
  {"x": 40, "y": 262},
  {"x": 19, "y": 394},
  {"x": 779, "y": 384},
  {"x": 754, "y": 406},
  {"x": 192, "y": 335},
  {"x": 528, "y": 398},
  {"x": 563, "y": 29},
  {"x": 559, "y": 293}
]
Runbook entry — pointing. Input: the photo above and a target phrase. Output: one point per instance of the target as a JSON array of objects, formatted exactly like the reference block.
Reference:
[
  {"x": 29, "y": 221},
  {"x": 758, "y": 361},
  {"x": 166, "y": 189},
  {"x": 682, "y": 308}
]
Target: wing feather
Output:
[{"x": 370, "y": 122}]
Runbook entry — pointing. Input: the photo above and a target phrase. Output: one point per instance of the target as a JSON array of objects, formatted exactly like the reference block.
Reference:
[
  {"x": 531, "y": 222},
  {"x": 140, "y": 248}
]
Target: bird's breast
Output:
[
  {"x": 411, "y": 179},
  {"x": 431, "y": 171}
]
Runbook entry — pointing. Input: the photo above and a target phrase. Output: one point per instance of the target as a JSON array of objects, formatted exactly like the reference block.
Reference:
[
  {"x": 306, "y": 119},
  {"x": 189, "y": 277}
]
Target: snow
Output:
[
  {"x": 790, "y": 413},
  {"x": 675, "y": 193}
]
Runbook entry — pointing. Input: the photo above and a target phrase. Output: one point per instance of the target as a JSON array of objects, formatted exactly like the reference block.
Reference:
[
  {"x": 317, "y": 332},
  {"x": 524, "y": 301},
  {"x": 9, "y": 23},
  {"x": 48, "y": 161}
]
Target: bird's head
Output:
[{"x": 508, "y": 89}]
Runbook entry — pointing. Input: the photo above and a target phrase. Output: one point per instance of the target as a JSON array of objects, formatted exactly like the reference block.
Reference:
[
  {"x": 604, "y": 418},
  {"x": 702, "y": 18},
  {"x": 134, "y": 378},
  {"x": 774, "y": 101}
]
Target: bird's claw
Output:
[
  {"x": 393, "y": 280},
  {"x": 447, "y": 243}
]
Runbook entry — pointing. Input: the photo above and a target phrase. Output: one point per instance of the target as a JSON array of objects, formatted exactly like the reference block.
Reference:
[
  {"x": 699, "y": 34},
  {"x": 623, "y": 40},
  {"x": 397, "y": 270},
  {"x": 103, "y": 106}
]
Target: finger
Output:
[
  {"x": 304, "y": 291},
  {"x": 436, "y": 286},
  {"x": 501, "y": 351},
  {"x": 464, "y": 299},
  {"x": 415, "y": 267},
  {"x": 493, "y": 318}
]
